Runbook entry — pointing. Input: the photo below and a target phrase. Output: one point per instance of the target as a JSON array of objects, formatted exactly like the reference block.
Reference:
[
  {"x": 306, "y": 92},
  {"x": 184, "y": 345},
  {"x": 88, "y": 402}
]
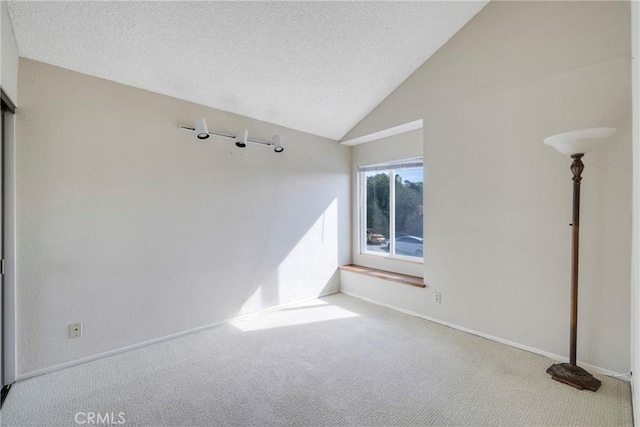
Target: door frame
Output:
[
  {"x": 7, "y": 192},
  {"x": 635, "y": 246}
]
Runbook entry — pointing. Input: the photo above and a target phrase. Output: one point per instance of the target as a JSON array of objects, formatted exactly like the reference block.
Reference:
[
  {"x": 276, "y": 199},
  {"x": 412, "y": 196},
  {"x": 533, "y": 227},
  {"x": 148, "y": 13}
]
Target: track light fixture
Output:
[
  {"x": 241, "y": 139},
  {"x": 201, "y": 128},
  {"x": 277, "y": 144}
]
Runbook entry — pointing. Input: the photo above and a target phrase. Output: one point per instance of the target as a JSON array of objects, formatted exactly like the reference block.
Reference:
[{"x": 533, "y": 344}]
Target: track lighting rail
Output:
[
  {"x": 225, "y": 135},
  {"x": 202, "y": 132}
]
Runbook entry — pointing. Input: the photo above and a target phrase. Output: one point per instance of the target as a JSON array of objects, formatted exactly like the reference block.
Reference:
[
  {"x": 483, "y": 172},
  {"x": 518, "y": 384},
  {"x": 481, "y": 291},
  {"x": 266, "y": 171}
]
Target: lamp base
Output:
[{"x": 574, "y": 376}]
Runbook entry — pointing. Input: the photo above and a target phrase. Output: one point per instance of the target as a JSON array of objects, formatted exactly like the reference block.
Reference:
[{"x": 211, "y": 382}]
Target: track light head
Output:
[
  {"x": 202, "y": 132},
  {"x": 241, "y": 138},
  {"x": 277, "y": 144}
]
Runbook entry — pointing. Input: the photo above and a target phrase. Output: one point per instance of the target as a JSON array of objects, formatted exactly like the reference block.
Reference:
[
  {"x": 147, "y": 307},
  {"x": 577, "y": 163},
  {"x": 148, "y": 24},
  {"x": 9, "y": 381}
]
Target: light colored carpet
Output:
[{"x": 334, "y": 361}]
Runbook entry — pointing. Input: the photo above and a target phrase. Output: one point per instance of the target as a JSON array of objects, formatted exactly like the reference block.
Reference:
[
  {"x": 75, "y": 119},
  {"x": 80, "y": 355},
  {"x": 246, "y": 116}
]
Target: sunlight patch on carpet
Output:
[{"x": 300, "y": 314}]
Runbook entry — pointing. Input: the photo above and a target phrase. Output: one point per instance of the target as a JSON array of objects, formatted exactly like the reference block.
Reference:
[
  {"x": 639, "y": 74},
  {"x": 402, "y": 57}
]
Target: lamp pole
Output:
[
  {"x": 576, "y": 167},
  {"x": 570, "y": 373}
]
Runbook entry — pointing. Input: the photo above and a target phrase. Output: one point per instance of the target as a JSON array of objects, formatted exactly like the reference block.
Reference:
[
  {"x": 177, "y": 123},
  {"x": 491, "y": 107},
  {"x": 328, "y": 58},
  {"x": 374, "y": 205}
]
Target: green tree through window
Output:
[
  {"x": 406, "y": 206},
  {"x": 378, "y": 203}
]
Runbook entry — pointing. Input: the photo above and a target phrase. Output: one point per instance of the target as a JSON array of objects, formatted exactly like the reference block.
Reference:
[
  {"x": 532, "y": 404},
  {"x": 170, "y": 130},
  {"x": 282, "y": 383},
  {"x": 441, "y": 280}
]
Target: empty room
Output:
[{"x": 319, "y": 213}]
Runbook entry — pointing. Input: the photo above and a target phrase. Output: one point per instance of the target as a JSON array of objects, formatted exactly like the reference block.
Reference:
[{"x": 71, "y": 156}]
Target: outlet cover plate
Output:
[{"x": 75, "y": 330}]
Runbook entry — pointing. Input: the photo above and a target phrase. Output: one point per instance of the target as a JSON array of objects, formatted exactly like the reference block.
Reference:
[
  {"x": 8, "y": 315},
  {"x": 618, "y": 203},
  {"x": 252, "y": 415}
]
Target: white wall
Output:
[
  {"x": 397, "y": 147},
  {"x": 8, "y": 55},
  {"x": 498, "y": 202},
  {"x": 141, "y": 231},
  {"x": 388, "y": 293}
]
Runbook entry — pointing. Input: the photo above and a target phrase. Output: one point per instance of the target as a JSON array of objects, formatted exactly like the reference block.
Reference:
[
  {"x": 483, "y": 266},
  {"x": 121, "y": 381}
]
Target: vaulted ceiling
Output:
[{"x": 318, "y": 67}]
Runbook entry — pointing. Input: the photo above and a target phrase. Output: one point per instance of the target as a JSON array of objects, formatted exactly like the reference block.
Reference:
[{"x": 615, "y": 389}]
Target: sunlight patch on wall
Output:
[
  {"x": 253, "y": 303},
  {"x": 308, "y": 270},
  {"x": 313, "y": 262}
]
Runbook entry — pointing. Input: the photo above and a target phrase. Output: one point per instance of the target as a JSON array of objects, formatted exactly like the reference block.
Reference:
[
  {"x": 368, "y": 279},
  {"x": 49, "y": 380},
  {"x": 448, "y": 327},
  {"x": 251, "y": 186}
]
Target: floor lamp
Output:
[{"x": 576, "y": 144}]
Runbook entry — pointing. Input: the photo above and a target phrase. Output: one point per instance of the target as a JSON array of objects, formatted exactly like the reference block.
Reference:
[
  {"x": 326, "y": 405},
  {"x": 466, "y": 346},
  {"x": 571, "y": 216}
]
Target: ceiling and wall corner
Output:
[{"x": 318, "y": 67}]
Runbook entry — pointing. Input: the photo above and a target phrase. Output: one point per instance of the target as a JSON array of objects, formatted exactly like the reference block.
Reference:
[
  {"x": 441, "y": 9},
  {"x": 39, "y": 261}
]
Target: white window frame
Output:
[{"x": 392, "y": 167}]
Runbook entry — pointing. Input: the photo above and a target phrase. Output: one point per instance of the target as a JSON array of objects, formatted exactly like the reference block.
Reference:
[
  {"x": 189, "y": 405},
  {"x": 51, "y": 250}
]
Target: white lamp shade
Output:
[{"x": 579, "y": 141}]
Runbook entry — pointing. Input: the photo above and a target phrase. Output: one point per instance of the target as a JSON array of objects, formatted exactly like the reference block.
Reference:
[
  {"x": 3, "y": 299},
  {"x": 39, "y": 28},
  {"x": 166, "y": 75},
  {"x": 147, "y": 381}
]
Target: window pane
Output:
[
  {"x": 377, "y": 210},
  {"x": 408, "y": 224}
]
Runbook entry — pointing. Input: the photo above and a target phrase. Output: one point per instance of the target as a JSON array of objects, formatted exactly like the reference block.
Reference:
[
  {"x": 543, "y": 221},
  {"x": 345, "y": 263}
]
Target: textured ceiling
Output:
[{"x": 318, "y": 67}]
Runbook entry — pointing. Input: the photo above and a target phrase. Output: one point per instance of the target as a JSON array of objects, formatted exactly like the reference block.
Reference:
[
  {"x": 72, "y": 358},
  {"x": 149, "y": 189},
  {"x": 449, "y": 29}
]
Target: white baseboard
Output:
[
  {"x": 552, "y": 356},
  {"x": 109, "y": 353}
]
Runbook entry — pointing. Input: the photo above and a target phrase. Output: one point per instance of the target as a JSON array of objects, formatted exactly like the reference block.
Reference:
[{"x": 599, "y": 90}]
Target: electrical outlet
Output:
[
  {"x": 438, "y": 297},
  {"x": 75, "y": 330}
]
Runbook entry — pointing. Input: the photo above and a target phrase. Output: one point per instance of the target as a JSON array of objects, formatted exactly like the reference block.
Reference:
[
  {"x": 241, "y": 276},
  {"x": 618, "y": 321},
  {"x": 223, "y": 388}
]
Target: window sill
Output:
[
  {"x": 412, "y": 260},
  {"x": 404, "y": 279}
]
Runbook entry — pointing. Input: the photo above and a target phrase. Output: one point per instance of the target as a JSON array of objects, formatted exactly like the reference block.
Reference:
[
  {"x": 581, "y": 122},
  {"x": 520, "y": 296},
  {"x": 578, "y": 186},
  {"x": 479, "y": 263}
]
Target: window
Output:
[{"x": 391, "y": 196}]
